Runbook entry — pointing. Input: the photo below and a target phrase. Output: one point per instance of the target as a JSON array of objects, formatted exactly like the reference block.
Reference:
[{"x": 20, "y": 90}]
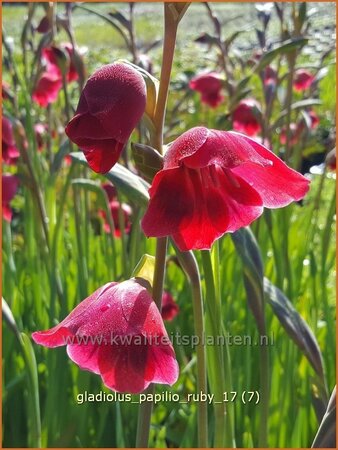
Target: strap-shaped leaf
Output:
[
  {"x": 128, "y": 183},
  {"x": 295, "y": 326}
]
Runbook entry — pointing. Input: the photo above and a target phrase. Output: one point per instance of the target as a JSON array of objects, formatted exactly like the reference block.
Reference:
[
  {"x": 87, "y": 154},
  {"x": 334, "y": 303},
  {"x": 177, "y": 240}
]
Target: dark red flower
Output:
[
  {"x": 170, "y": 308},
  {"x": 9, "y": 188},
  {"x": 245, "y": 117},
  {"x": 209, "y": 85},
  {"x": 215, "y": 182},
  {"x": 10, "y": 152},
  {"x": 44, "y": 25},
  {"x": 118, "y": 333},
  {"x": 111, "y": 104},
  {"x": 115, "y": 207},
  {"x": 48, "y": 86},
  {"x": 295, "y": 132},
  {"x": 302, "y": 80},
  {"x": 6, "y": 90}
]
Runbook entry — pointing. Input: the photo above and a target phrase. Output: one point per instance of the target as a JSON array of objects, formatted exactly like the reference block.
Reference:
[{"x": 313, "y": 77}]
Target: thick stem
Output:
[
  {"x": 189, "y": 264},
  {"x": 170, "y": 31},
  {"x": 218, "y": 366}
]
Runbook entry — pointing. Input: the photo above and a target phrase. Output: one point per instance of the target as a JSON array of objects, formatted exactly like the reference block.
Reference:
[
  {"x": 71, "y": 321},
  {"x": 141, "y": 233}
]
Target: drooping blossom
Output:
[
  {"x": 110, "y": 190},
  {"x": 170, "y": 308},
  {"x": 314, "y": 119},
  {"x": 245, "y": 118},
  {"x": 115, "y": 207},
  {"x": 44, "y": 25},
  {"x": 303, "y": 79},
  {"x": 117, "y": 333},
  {"x": 295, "y": 132},
  {"x": 10, "y": 152},
  {"x": 48, "y": 87},
  {"x": 50, "y": 82},
  {"x": 214, "y": 182},
  {"x": 209, "y": 85},
  {"x": 40, "y": 130},
  {"x": 10, "y": 185},
  {"x": 111, "y": 104}
]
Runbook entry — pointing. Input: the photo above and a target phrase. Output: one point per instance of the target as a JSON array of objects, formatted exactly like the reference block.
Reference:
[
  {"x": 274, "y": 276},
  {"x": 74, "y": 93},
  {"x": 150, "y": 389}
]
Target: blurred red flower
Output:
[
  {"x": 118, "y": 333},
  {"x": 214, "y": 182},
  {"x": 40, "y": 130},
  {"x": 50, "y": 54},
  {"x": 209, "y": 85},
  {"x": 330, "y": 160},
  {"x": 115, "y": 206},
  {"x": 111, "y": 104},
  {"x": 245, "y": 117},
  {"x": 9, "y": 188},
  {"x": 48, "y": 86},
  {"x": 295, "y": 132},
  {"x": 110, "y": 190},
  {"x": 44, "y": 25},
  {"x": 314, "y": 119},
  {"x": 302, "y": 80},
  {"x": 170, "y": 308},
  {"x": 269, "y": 76},
  {"x": 10, "y": 152}
]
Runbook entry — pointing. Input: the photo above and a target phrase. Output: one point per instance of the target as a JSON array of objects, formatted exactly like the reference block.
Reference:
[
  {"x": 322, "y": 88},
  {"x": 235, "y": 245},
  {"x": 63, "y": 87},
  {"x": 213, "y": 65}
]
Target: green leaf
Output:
[
  {"x": 295, "y": 326},
  {"x": 287, "y": 47},
  {"x": 326, "y": 434},
  {"x": 128, "y": 183},
  {"x": 295, "y": 106}
]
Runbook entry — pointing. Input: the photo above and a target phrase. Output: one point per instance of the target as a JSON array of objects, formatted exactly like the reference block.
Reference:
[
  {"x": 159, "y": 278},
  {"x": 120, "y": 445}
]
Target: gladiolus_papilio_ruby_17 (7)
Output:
[
  {"x": 118, "y": 333},
  {"x": 213, "y": 182},
  {"x": 110, "y": 106}
]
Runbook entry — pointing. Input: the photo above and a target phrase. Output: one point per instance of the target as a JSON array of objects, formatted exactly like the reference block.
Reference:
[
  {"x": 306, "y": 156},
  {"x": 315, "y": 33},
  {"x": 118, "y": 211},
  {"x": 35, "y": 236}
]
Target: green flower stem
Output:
[
  {"x": 217, "y": 359},
  {"x": 170, "y": 31},
  {"x": 189, "y": 264}
]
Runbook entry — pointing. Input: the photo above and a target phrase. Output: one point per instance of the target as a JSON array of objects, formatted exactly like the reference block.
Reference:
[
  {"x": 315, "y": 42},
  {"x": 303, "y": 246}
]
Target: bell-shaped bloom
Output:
[
  {"x": 118, "y": 333},
  {"x": 170, "y": 308},
  {"x": 213, "y": 182},
  {"x": 40, "y": 130},
  {"x": 295, "y": 132},
  {"x": 44, "y": 25},
  {"x": 245, "y": 117},
  {"x": 50, "y": 54},
  {"x": 209, "y": 85},
  {"x": 111, "y": 104},
  {"x": 10, "y": 152},
  {"x": 115, "y": 207},
  {"x": 9, "y": 188},
  {"x": 48, "y": 86},
  {"x": 303, "y": 79}
]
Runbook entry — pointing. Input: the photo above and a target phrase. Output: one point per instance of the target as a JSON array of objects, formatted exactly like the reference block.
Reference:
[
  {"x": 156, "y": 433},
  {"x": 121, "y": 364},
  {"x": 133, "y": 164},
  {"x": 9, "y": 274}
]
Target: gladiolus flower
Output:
[
  {"x": 110, "y": 190},
  {"x": 48, "y": 87},
  {"x": 111, "y": 104},
  {"x": 295, "y": 131},
  {"x": 269, "y": 76},
  {"x": 213, "y": 182},
  {"x": 314, "y": 119},
  {"x": 10, "y": 152},
  {"x": 44, "y": 25},
  {"x": 245, "y": 117},
  {"x": 118, "y": 333},
  {"x": 40, "y": 130},
  {"x": 9, "y": 188},
  {"x": 209, "y": 85},
  {"x": 50, "y": 54},
  {"x": 170, "y": 308},
  {"x": 114, "y": 210},
  {"x": 302, "y": 80}
]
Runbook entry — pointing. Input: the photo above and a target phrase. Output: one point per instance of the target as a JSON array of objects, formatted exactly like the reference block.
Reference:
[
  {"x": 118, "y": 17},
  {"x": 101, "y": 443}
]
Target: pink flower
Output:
[
  {"x": 111, "y": 105},
  {"x": 50, "y": 54},
  {"x": 9, "y": 188},
  {"x": 170, "y": 309},
  {"x": 40, "y": 130},
  {"x": 10, "y": 152},
  {"x": 245, "y": 117},
  {"x": 110, "y": 190},
  {"x": 314, "y": 119},
  {"x": 209, "y": 85},
  {"x": 302, "y": 80},
  {"x": 114, "y": 210},
  {"x": 213, "y": 182},
  {"x": 48, "y": 86},
  {"x": 117, "y": 333},
  {"x": 269, "y": 76}
]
